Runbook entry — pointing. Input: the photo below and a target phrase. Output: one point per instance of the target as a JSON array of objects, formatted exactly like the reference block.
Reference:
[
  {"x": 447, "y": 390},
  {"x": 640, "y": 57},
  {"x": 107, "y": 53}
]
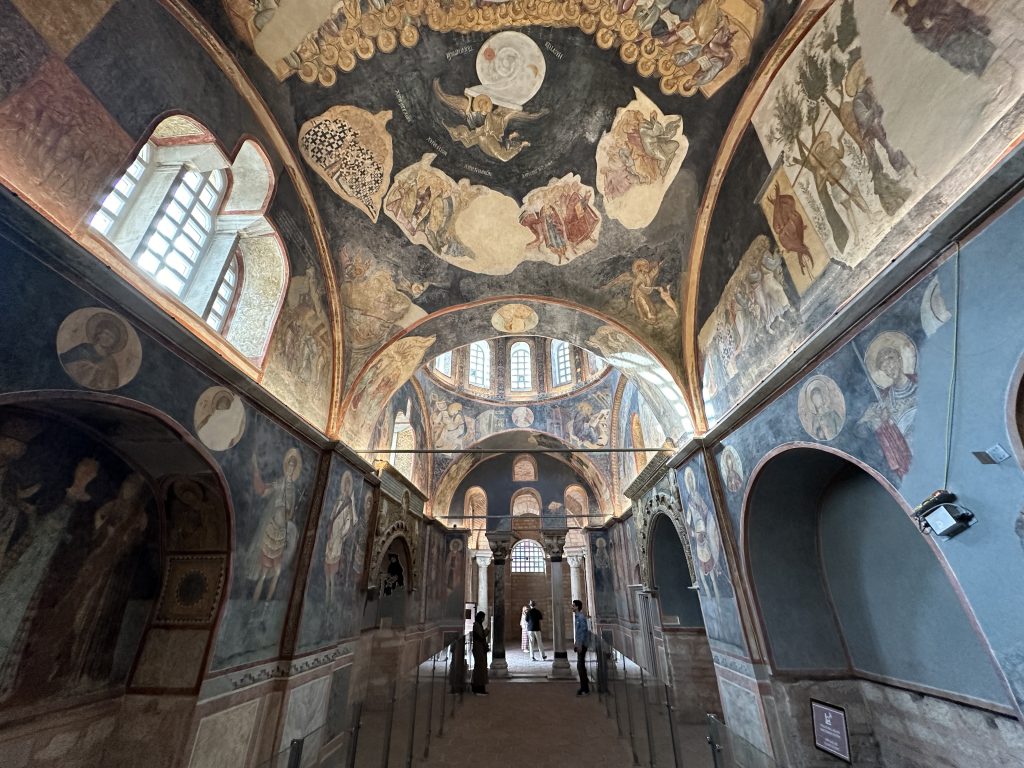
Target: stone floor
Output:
[{"x": 537, "y": 722}]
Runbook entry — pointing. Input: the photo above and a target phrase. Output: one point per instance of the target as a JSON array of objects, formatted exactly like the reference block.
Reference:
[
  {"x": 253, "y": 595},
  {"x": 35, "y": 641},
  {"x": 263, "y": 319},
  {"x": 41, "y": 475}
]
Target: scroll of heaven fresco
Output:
[
  {"x": 637, "y": 161},
  {"x": 350, "y": 149}
]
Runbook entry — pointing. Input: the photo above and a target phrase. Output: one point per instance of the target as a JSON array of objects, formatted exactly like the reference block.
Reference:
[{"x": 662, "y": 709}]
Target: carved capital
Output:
[
  {"x": 575, "y": 561},
  {"x": 554, "y": 543},
  {"x": 482, "y": 561},
  {"x": 501, "y": 545}
]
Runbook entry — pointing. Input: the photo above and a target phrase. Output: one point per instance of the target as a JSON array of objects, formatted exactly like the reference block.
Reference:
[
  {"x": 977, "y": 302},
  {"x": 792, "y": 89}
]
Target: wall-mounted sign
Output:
[{"x": 830, "y": 732}]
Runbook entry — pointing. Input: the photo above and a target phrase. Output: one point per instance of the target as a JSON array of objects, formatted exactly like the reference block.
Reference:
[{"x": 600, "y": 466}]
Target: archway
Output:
[
  {"x": 690, "y": 666},
  {"x": 114, "y": 550},
  {"x": 851, "y": 595}
]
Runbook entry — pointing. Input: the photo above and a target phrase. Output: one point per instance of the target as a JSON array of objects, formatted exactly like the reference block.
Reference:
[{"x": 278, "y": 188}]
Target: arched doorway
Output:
[
  {"x": 855, "y": 605},
  {"x": 115, "y": 530},
  {"x": 690, "y": 667}
]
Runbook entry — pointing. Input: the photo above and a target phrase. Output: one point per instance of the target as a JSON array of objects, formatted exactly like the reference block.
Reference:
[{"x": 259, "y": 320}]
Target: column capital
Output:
[
  {"x": 482, "y": 559},
  {"x": 575, "y": 560},
  {"x": 501, "y": 545},
  {"x": 554, "y": 542}
]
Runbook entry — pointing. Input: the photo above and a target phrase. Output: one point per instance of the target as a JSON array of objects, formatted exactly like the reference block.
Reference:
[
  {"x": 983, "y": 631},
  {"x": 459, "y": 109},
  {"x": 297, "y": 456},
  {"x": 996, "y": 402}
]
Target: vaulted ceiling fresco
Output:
[
  {"x": 688, "y": 188},
  {"x": 460, "y": 152}
]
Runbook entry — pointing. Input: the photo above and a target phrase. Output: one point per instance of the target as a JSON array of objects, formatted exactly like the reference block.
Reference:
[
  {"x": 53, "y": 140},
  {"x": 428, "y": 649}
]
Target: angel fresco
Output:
[
  {"x": 486, "y": 124},
  {"x": 642, "y": 289},
  {"x": 891, "y": 365},
  {"x": 277, "y": 537}
]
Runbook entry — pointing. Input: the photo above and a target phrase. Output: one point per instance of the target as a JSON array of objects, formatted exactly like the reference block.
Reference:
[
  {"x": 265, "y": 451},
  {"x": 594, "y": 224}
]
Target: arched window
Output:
[
  {"x": 526, "y": 502},
  {"x": 115, "y": 204},
  {"x": 524, "y": 470},
  {"x": 527, "y": 557},
  {"x": 577, "y": 506},
  {"x": 218, "y": 314},
  {"x": 403, "y": 438},
  {"x": 480, "y": 364},
  {"x": 474, "y": 515},
  {"x": 520, "y": 373},
  {"x": 561, "y": 363},
  {"x": 443, "y": 364},
  {"x": 180, "y": 233},
  {"x": 190, "y": 221}
]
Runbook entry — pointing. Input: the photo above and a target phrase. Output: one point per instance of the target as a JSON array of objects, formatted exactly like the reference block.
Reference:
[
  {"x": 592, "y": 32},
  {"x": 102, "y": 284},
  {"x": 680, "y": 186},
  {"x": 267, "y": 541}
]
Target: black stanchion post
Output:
[
  {"x": 386, "y": 754},
  {"x": 430, "y": 706},
  {"x": 629, "y": 712},
  {"x": 672, "y": 727},
  {"x": 647, "y": 721},
  {"x": 412, "y": 723},
  {"x": 354, "y": 738}
]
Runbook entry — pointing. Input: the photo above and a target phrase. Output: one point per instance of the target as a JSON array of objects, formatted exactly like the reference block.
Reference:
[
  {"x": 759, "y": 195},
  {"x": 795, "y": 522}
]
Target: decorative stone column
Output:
[
  {"x": 482, "y": 557},
  {"x": 554, "y": 541},
  {"x": 501, "y": 545},
  {"x": 576, "y": 575}
]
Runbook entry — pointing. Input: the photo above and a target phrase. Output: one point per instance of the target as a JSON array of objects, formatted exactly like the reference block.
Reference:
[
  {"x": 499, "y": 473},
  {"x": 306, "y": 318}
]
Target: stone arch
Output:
[
  {"x": 843, "y": 583},
  {"x": 671, "y": 574},
  {"x": 577, "y": 506},
  {"x": 388, "y": 368},
  {"x": 513, "y": 441},
  {"x": 525, "y": 501},
  {"x": 85, "y": 482}
]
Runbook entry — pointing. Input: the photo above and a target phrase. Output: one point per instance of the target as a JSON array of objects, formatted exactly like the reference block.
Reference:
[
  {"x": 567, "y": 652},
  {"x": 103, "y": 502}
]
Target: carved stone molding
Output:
[{"x": 660, "y": 499}]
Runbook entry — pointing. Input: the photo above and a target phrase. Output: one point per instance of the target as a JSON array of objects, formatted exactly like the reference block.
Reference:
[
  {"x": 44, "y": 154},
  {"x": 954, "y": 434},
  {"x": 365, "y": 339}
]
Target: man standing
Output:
[
  {"x": 580, "y": 641},
  {"x": 533, "y": 617}
]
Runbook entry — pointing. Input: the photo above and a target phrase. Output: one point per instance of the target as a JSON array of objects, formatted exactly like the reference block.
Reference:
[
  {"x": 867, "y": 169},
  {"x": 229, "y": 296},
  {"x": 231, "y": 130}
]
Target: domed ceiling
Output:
[{"x": 463, "y": 151}]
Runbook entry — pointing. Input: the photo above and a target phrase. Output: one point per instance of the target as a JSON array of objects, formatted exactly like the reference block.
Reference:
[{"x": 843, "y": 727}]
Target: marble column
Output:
[
  {"x": 554, "y": 541},
  {"x": 576, "y": 576},
  {"x": 483, "y": 559},
  {"x": 501, "y": 545}
]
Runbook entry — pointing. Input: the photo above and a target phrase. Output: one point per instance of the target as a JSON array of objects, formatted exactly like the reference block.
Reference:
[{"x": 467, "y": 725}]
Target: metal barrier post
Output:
[
  {"x": 444, "y": 705},
  {"x": 357, "y": 717},
  {"x": 430, "y": 706},
  {"x": 672, "y": 727},
  {"x": 295, "y": 753},
  {"x": 386, "y": 754},
  {"x": 629, "y": 713},
  {"x": 412, "y": 724},
  {"x": 647, "y": 722}
]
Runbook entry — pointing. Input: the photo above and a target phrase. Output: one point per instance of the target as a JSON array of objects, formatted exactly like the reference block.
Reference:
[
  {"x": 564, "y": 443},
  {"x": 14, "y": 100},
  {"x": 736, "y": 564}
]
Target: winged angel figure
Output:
[{"x": 486, "y": 124}]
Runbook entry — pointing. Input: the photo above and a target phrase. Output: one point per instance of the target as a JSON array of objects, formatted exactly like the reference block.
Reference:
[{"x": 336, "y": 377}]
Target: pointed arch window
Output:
[
  {"x": 480, "y": 364},
  {"x": 520, "y": 369},
  {"x": 561, "y": 363},
  {"x": 443, "y": 364}
]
